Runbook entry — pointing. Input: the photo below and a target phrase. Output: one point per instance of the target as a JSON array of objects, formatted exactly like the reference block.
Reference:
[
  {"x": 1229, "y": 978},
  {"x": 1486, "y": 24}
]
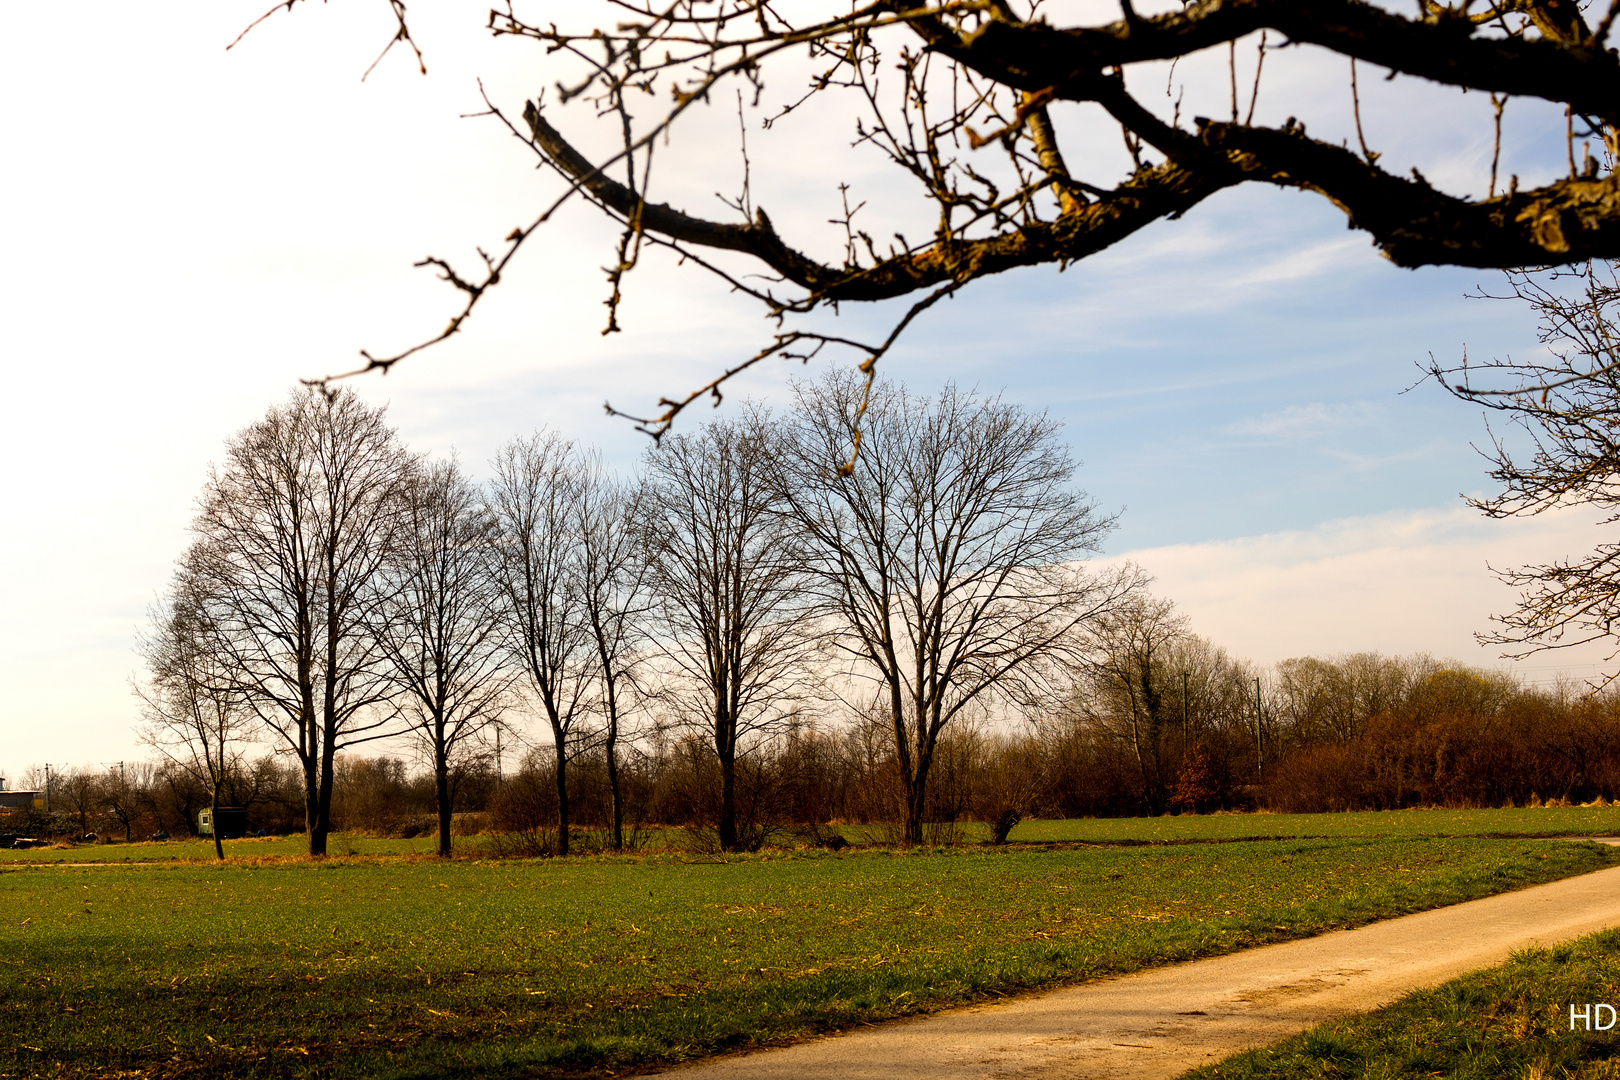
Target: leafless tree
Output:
[
  {"x": 1129, "y": 691},
  {"x": 439, "y": 622},
  {"x": 613, "y": 591},
  {"x": 1182, "y": 709},
  {"x": 77, "y": 791},
  {"x": 1330, "y": 699},
  {"x": 126, "y": 792},
  {"x": 962, "y": 99},
  {"x": 1561, "y": 447},
  {"x": 290, "y": 535},
  {"x": 725, "y": 569},
  {"x": 945, "y": 556},
  {"x": 196, "y": 715},
  {"x": 535, "y": 497}
]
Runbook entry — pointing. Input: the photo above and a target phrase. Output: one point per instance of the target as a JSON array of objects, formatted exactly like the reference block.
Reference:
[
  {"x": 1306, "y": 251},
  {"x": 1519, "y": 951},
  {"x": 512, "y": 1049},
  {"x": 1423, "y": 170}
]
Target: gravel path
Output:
[{"x": 1159, "y": 1023}]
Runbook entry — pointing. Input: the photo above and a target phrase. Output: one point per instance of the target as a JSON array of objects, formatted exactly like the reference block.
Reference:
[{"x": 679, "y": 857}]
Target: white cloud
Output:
[
  {"x": 1304, "y": 421},
  {"x": 1411, "y": 581},
  {"x": 1312, "y": 261}
]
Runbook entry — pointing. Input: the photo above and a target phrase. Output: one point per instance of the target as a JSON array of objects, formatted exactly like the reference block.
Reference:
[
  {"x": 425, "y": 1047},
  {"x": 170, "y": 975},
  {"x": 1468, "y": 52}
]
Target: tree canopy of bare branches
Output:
[
  {"x": 289, "y": 537},
  {"x": 439, "y": 624},
  {"x": 945, "y": 556},
  {"x": 612, "y": 579},
  {"x": 725, "y": 569},
  {"x": 535, "y": 498},
  {"x": 1129, "y": 691},
  {"x": 194, "y": 710},
  {"x": 1559, "y": 446},
  {"x": 963, "y": 97}
]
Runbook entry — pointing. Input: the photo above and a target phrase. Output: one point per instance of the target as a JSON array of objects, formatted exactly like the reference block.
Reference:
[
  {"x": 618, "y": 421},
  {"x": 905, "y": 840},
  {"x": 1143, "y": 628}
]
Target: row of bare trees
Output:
[
  {"x": 340, "y": 589},
  {"x": 1164, "y": 722},
  {"x": 142, "y": 799}
]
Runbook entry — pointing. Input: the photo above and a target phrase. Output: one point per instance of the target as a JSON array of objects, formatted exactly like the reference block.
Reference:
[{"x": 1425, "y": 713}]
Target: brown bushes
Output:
[{"x": 1460, "y": 738}]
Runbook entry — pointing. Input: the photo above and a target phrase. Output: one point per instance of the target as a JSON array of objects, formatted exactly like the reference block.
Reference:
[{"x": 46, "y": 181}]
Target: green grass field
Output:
[
  {"x": 1543, "y": 822},
  {"x": 370, "y": 966},
  {"x": 1507, "y": 1021},
  {"x": 189, "y": 850}
]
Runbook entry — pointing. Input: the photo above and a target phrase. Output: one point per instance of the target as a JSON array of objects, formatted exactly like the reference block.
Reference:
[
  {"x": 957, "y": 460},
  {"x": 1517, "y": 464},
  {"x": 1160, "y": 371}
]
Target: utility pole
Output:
[
  {"x": 498, "y": 776},
  {"x": 1259, "y": 740},
  {"x": 1184, "y": 726},
  {"x": 47, "y": 787}
]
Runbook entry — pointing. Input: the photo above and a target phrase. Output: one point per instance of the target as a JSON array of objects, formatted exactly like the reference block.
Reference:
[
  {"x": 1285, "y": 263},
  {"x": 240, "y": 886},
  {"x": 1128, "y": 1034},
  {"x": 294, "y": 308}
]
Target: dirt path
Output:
[{"x": 1159, "y": 1023}]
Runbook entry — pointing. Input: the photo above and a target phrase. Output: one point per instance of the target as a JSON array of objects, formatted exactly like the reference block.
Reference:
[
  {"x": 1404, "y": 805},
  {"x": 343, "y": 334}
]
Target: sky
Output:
[{"x": 190, "y": 230}]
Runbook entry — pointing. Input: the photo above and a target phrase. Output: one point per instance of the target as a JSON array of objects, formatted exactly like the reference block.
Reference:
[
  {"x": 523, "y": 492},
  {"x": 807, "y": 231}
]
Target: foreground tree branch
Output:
[
  {"x": 1559, "y": 447},
  {"x": 958, "y": 96}
]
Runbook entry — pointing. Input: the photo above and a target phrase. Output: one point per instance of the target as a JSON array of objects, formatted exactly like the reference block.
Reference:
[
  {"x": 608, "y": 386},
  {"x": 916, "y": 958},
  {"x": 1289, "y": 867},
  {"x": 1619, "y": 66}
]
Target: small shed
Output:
[
  {"x": 11, "y": 799},
  {"x": 229, "y": 821}
]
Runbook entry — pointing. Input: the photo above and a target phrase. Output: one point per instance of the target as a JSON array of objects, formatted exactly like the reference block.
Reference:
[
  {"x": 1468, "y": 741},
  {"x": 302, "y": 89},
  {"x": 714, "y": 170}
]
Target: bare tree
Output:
[
  {"x": 1330, "y": 699},
  {"x": 725, "y": 570},
  {"x": 290, "y": 535},
  {"x": 1561, "y": 448},
  {"x": 987, "y": 109},
  {"x": 77, "y": 791},
  {"x": 439, "y": 623},
  {"x": 196, "y": 714},
  {"x": 613, "y": 592},
  {"x": 945, "y": 555},
  {"x": 535, "y": 497},
  {"x": 1129, "y": 686},
  {"x": 126, "y": 791}
]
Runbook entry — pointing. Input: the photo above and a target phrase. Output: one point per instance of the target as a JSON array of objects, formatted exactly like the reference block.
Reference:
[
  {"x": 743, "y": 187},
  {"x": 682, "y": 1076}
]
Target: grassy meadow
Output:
[
  {"x": 1551, "y": 821},
  {"x": 1548, "y": 821},
  {"x": 1507, "y": 1021},
  {"x": 377, "y": 965}
]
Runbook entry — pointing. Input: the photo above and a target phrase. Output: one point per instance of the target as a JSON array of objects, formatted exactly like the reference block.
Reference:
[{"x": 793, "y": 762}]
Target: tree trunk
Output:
[
  {"x": 323, "y": 811},
  {"x": 314, "y": 832},
  {"x": 917, "y": 799},
  {"x": 1152, "y": 765},
  {"x": 441, "y": 781},
  {"x": 611, "y": 747},
  {"x": 728, "y": 802},
  {"x": 213, "y": 817},
  {"x": 562, "y": 789}
]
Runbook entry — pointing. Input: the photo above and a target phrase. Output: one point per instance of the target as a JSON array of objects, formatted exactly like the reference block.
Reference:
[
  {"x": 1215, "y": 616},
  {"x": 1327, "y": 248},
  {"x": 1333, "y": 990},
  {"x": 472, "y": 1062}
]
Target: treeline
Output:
[
  {"x": 1164, "y": 722},
  {"x": 913, "y": 559},
  {"x": 866, "y": 607},
  {"x": 1168, "y": 722}
]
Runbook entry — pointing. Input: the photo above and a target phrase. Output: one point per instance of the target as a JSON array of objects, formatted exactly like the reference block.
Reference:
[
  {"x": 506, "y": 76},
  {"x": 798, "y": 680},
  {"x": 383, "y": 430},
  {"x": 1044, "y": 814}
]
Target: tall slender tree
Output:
[
  {"x": 195, "y": 712},
  {"x": 613, "y": 592},
  {"x": 727, "y": 572},
  {"x": 291, "y": 533},
  {"x": 535, "y": 499},
  {"x": 439, "y": 622},
  {"x": 1131, "y": 693}
]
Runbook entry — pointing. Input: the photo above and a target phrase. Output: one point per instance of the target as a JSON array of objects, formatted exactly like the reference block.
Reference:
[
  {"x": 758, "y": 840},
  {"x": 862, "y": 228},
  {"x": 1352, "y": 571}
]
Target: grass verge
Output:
[
  {"x": 1508, "y": 1021},
  {"x": 372, "y": 967},
  {"x": 1540, "y": 822}
]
